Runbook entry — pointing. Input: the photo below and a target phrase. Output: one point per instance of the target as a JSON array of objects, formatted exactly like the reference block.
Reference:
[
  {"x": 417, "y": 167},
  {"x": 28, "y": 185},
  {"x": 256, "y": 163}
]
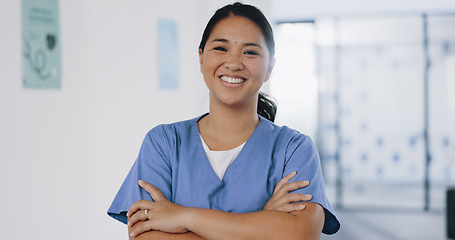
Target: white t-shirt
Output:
[{"x": 220, "y": 160}]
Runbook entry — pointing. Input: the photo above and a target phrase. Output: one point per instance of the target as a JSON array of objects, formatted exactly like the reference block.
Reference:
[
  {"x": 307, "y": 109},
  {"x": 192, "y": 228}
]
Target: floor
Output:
[
  {"x": 386, "y": 212},
  {"x": 389, "y": 225}
]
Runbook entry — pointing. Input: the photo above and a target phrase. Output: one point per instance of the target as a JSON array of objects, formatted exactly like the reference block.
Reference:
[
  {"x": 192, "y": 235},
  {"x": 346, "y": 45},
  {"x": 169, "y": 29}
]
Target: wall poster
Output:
[
  {"x": 41, "y": 62},
  {"x": 168, "y": 54}
]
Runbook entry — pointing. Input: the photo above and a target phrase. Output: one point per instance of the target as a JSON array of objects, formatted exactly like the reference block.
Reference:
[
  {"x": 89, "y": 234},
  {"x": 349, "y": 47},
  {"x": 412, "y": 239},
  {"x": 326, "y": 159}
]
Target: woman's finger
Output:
[
  {"x": 297, "y": 207},
  {"x": 298, "y": 197},
  {"x": 136, "y": 217},
  {"x": 156, "y": 194},
  {"x": 283, "y": 181},
  {"x": 141, "y": 204},
  {"x": 290, "y": 207},
  {"x": 291, "y": 198},
  {"x": 292, "y": 186},
  {"x": 140, "y": 228}
]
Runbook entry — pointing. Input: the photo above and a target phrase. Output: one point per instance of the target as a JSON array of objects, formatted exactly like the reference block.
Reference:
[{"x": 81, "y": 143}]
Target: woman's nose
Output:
[{"x": 234, "y": 62}]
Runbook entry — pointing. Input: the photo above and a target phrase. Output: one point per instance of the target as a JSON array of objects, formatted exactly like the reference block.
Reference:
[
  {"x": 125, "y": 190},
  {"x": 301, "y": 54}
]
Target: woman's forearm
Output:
[
  {"x": 158, "y": 235},
  {"x": 213, "y": 224}
]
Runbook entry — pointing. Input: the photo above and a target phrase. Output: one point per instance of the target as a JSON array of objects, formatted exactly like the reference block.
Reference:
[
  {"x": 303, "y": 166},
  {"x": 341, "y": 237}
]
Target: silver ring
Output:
[{"x": 146, "y": 212}]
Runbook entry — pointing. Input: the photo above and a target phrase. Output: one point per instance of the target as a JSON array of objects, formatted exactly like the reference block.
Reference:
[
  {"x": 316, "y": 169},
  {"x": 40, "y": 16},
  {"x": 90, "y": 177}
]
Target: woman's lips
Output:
[{"x": 232, "y": 80}]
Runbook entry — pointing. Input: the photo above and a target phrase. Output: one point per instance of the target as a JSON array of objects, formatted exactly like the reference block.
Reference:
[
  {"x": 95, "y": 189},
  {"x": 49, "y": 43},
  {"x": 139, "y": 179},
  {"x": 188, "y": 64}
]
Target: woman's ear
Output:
[
  {"x": 270, "y": 68},
  {"x": 200, "y": 59}
]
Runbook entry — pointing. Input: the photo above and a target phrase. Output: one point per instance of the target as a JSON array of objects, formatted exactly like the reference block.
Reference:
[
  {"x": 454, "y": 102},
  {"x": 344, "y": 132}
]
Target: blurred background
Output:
[{"x": 373, "y": 83}]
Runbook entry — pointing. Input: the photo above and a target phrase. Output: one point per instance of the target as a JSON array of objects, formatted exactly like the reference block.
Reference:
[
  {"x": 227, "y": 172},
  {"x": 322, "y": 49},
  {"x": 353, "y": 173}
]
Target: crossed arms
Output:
[{"x": 281, "y": 218}]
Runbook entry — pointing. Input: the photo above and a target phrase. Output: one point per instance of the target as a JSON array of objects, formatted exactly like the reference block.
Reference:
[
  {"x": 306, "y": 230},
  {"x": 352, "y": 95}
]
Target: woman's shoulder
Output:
[
  {"x": 281, "y": 131},
  {"x": 286, "y": 137},
  {"x": 174, "y": 129}
]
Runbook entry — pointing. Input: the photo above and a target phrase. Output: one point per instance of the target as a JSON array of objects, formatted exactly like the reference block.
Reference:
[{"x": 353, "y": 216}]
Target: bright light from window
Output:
[{"x": 294, "y": 83}]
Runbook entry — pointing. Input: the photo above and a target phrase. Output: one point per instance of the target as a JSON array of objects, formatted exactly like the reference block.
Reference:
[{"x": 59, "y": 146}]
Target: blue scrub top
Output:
[{"x": 172, "y": 158}]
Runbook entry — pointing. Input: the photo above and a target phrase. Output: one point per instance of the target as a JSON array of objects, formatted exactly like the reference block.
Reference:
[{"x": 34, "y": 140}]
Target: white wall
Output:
[
  {"x": 291, "y": 10},
  {"x": 64, "y": 153}
]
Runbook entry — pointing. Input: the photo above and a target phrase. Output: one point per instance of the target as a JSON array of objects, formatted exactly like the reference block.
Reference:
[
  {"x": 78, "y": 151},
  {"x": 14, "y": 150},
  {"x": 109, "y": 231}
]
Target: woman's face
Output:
[{"x": 235, "y": 62}]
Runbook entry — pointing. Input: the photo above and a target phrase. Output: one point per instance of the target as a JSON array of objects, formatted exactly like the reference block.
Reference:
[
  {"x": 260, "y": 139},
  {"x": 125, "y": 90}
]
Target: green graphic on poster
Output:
[{"x": 41, "y": 62}]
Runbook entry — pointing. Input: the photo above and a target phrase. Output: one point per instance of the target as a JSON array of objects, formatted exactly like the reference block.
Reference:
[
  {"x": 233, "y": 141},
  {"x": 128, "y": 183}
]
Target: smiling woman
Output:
[
  {"x": 230, "y": 173},
  {"x": 235, "y": 63}
]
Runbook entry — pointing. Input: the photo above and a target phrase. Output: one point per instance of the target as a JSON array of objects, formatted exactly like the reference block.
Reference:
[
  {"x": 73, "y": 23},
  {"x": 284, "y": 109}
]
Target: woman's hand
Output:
[
  {"x": 282, "y": 200},
  {"x": 161, "y": 214}
]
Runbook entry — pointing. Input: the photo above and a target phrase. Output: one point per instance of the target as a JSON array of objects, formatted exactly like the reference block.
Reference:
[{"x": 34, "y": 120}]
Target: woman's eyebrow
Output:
[
  {"x": 223, "y": 40},
  {"x": 220, "y": 40},
  {"x": 254, "y": 45}
]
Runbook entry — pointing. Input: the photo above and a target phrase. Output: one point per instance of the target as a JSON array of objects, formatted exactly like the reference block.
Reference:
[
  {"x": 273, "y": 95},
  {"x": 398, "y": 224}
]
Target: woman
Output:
[{"x": 225, "y": 175}]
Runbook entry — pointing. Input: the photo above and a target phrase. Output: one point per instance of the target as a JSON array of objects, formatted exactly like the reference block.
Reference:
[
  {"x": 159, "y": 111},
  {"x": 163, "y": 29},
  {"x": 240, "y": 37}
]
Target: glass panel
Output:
[
  {"x": 356, "y": 85},
  {"x": 441, "y": 106},
  {"x": 376, "y": 107}
]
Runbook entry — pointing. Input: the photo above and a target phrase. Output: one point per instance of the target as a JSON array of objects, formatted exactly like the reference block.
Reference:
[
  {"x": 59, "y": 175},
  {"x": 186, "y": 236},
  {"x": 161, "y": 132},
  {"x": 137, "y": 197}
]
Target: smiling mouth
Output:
[{"x": 232, "y": 80}]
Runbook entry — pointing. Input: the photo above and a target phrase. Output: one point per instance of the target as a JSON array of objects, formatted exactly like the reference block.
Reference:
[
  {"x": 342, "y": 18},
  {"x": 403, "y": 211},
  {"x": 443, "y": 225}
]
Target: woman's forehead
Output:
[{"x": 237, "y": 29}]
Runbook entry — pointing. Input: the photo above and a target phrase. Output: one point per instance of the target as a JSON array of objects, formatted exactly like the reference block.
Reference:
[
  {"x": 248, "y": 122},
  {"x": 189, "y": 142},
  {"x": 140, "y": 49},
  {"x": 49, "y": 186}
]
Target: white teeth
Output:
[{"x": 232, "y": 80}]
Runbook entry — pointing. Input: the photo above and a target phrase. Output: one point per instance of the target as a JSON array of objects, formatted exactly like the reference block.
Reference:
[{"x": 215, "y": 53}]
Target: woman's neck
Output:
[{"x": 227, "y": 128}]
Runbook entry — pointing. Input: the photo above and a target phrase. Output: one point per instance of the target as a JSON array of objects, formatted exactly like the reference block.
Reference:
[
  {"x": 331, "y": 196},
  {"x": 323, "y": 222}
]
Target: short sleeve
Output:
[
  {"x": 302, "y": 156},
  {"x": 152, "y": 165}
]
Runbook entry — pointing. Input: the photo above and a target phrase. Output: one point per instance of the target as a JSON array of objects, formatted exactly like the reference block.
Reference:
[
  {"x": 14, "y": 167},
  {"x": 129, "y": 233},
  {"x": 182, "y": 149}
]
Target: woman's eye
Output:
[
  {"x": 251, "y": 53},
  {"x": 220, "y": 49}
]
